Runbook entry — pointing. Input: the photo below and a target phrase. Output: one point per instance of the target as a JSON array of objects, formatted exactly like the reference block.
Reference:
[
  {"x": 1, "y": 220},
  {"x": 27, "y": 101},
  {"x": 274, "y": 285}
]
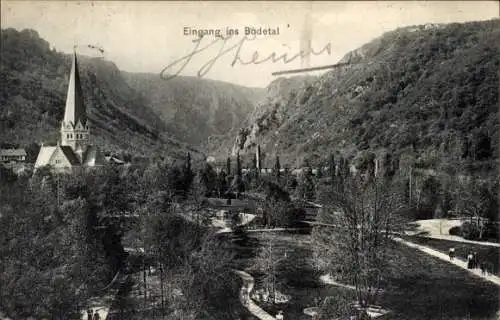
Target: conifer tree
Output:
[
  {"x": 188, "y": 175},
  {"x": 238, "y": 164},
  {"x": 238, "y": 179},
  {"x": 255, "y": 168},
  {"x": 319, "y": 172},
  {"x": 277, "y": 168},
  {"x": 331, "y": 166},
  {"x": 228, "y": 166}
]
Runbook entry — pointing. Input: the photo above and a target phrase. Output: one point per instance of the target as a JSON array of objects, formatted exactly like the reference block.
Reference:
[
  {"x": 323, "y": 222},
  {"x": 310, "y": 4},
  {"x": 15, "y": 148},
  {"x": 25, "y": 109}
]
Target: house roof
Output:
[
  {"x": 12, "y": 152},
  {"x": 44, "y": 156}
]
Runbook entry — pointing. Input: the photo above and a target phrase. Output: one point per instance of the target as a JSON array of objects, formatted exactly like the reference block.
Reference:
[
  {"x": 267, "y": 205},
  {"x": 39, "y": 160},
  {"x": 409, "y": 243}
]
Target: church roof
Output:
[
  {"x": 93, "y": 157},
  {"x": 70, "y": 155},
  {"x": 75, "y": 107},
  {"x": 44, "y": 156}
]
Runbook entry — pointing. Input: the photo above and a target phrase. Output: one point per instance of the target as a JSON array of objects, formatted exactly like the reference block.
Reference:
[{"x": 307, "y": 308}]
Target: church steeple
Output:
[
  {"x": 74, "y": 127},
  {"x": 75, "y": 108}
]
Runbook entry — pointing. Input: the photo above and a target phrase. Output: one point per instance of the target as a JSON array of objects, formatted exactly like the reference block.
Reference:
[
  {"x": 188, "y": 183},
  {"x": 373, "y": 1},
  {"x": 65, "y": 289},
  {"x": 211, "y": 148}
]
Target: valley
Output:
[{"x": 367, "y": 192}]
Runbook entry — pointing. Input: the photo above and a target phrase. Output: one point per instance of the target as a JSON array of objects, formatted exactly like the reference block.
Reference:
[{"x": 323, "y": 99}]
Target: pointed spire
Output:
[{"x": 75, "y": 107}]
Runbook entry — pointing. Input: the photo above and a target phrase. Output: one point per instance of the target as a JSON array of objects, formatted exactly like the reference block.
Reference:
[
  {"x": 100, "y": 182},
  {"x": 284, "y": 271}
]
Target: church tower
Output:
[
  {"x": 73, "y": 150},
  {"x": 75, "y": 131}
]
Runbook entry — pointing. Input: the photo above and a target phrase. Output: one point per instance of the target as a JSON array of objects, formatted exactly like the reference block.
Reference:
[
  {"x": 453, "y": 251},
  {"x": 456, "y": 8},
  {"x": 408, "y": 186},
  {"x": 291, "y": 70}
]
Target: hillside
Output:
[
  {"x": 431, "y": 90},
  {"x": 198, "y": 111},
  {"x": 33, "y": 92}
]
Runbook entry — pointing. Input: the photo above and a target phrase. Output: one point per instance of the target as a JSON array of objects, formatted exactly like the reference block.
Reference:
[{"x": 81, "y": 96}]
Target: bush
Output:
[
  {"x": 491, "y": 231},
  {"x": 470, "y": 231}
]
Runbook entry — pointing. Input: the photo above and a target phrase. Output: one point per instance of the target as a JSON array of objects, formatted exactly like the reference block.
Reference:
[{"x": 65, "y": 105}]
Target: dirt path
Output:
[
  {"x": 440, "y": 229},
  {"x": 458, "y": 262},
  {"x": 244, "y": 296},
  {"x": 462, "y": 240}
]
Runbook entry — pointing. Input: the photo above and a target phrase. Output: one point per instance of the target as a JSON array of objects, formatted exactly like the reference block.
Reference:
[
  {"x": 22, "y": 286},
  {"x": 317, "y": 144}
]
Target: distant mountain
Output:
[
  {"x": 431, "y": 90},
  {"x": 34, "y": 80},
  {"x": 200, "y": 112}
]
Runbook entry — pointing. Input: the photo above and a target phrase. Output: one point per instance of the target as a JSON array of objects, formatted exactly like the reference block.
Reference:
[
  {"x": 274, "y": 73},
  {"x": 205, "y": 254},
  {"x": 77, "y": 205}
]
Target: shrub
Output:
[
  {"x": 491, "y": 231},
  {"x": 470, "y": 231}
]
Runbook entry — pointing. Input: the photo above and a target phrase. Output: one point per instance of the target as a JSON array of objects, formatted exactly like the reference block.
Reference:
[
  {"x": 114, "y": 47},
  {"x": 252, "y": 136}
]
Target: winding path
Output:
[
  {"x": 244, "y": 296},
  {"x": 458, "y": 262}
]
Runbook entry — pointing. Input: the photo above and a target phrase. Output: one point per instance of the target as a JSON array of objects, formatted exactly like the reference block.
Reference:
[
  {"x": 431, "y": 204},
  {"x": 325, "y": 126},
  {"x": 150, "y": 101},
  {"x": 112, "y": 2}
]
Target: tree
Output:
[
  {"x": 267, "y": 261},
  {"x": 39, "y": 269},
  {"x": 228, "y": 166},
  {"x": 277, "y": 169},
  {"x": 274, "y": 192},
  {"x": 474, "y": 199},
  {"x": 254, "y": 162},
  {"x": 305, "y": 187},
  {"x": 238, "y": 165},
  {"x": 193, "y": 262},
  {"x": 332, "y": 167},
  {"x": 238, "y": 179},
  {"x": 222, "y": 185},
  {"x": 187, "y": 175},
  {"x": 356, "y": 242},
  {"x": 319, "y": 173},
  {"x": 208, "y": 179},
  {"x": 280, "y": 213}
]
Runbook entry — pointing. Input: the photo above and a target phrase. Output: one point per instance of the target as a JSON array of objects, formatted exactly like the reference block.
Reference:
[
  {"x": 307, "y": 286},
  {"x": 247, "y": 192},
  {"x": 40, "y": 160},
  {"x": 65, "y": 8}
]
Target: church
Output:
[{"x": 73, "y": 149}]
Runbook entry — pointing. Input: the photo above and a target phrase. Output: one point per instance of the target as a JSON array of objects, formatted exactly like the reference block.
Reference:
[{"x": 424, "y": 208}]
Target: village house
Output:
[{"x": 12, "y": 155}]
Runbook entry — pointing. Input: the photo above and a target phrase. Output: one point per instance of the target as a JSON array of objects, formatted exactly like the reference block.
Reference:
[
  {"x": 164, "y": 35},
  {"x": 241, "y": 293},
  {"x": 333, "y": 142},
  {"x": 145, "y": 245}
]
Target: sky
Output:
[{"x": 142, "y": 36}]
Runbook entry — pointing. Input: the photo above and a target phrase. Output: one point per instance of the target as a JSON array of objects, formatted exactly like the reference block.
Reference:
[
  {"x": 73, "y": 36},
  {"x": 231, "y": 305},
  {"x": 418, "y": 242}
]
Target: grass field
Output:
[
  {"x": 487, "y": 253},
  {"x": 417, "y": 287}
]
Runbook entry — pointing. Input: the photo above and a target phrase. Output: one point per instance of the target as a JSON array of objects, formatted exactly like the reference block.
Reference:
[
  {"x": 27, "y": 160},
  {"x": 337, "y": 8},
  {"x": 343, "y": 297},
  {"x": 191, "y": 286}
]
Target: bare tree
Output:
[
  {"x": 358, "y": 220},
  {"x": 267, "y": 261}
]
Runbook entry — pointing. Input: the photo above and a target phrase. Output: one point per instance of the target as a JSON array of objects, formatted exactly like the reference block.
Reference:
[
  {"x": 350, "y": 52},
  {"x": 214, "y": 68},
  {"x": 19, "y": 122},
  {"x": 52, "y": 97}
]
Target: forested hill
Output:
[
  {"x": 431, "y": 91},
  {"x": 33, "y": 88},
  {"x": 197, "y": 110}
]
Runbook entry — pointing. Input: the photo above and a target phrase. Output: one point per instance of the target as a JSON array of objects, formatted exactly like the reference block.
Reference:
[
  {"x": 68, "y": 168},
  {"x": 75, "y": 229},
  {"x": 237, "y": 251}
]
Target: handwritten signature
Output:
[{"x": 182, "y": 62}]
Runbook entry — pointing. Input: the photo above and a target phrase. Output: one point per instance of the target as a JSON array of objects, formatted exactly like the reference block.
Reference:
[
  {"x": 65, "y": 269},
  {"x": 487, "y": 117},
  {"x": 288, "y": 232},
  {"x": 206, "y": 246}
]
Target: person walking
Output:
[
  {"x": 245, "y": 295},
  {"x": 482, "y": 265},
  {"x": 279, "y": 316},
  {"x": 89, "y": 314},
  {"x": 451, "y": 253},
  {"x": 475, "y": 260},
  {"x": 470, "y": 261},
  {"x": 96, "y": 316}
]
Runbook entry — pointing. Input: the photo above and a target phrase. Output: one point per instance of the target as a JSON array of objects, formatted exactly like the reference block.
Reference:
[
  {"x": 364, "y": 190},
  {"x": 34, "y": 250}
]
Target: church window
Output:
[
  {"x": 58, "y": 161},
  {"x": 67, "y": 136}
]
